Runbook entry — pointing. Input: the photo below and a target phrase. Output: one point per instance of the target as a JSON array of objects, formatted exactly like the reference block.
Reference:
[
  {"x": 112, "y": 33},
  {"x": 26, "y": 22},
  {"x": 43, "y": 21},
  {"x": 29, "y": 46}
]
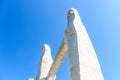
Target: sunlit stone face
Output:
[{"x": 83, "y": 63}]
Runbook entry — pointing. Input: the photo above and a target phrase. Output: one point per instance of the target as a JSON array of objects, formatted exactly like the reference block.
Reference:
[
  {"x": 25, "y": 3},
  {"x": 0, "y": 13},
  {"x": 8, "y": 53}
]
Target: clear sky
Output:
[{"x": 25, "y": 25}]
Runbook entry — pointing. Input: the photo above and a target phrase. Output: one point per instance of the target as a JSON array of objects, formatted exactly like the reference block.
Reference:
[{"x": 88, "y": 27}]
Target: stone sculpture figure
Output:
[
  {"x": 83, "y": 62},
  {"x": 45, "y": 63}
]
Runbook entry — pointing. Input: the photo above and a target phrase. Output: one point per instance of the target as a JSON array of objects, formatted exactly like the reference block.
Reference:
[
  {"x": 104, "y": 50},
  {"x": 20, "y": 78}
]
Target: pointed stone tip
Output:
[
  {"x": 46, "y": 47},
  {"x": 73, "y": 15},
  {"x": 46, "y": 50},
  {"x": 72, "y": 10}
]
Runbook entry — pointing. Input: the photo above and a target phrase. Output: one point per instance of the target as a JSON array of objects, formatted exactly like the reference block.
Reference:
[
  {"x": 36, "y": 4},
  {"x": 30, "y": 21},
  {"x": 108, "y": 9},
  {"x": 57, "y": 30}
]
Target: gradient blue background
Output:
[{"x": 25, "y": 25}]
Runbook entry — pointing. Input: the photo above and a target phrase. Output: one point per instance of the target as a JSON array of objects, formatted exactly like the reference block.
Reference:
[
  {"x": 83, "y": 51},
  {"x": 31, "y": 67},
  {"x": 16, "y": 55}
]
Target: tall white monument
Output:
[
  {"x": 83, "y": 62},
  {"x": 45, "y": 63}
]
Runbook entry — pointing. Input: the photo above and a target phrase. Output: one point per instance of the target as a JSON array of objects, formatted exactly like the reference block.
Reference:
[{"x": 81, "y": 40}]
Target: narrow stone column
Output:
[
  {"x": 58, "y": 60},
  {"x": 83, "y": 62},
  {"x": 45, "y": 63}
]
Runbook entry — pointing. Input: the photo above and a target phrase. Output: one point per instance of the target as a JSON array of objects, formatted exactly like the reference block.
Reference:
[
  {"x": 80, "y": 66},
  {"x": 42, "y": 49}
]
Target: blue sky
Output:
[{"x": 25, "y": 25}]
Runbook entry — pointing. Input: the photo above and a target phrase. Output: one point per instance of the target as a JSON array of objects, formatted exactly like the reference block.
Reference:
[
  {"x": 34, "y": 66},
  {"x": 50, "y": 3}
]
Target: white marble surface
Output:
[
  {"x": 83, "y": 62},
  {"x": 45, "y": 63}
]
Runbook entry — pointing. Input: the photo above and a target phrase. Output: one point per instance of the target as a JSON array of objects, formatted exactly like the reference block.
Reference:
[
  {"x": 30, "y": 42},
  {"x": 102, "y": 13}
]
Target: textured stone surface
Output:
[
  {"x": 45, "y": 63},
  {"x": 83, "y": 62},
  {"x": 58, "y": 60}
]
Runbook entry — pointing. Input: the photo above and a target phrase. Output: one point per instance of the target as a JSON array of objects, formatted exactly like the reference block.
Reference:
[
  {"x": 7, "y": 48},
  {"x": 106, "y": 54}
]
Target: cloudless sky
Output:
[{"x": 25, "y": 25}]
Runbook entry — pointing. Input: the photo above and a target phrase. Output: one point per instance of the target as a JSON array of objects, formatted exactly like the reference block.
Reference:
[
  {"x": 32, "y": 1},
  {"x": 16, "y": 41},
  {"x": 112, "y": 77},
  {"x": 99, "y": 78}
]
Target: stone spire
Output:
[
  {"x": 83, "y": 62},
  {"x": 45, "y": 63}
]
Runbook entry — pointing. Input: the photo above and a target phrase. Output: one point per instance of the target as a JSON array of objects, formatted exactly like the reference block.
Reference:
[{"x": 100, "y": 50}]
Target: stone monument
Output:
[{"x": 83, "y": 62}]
